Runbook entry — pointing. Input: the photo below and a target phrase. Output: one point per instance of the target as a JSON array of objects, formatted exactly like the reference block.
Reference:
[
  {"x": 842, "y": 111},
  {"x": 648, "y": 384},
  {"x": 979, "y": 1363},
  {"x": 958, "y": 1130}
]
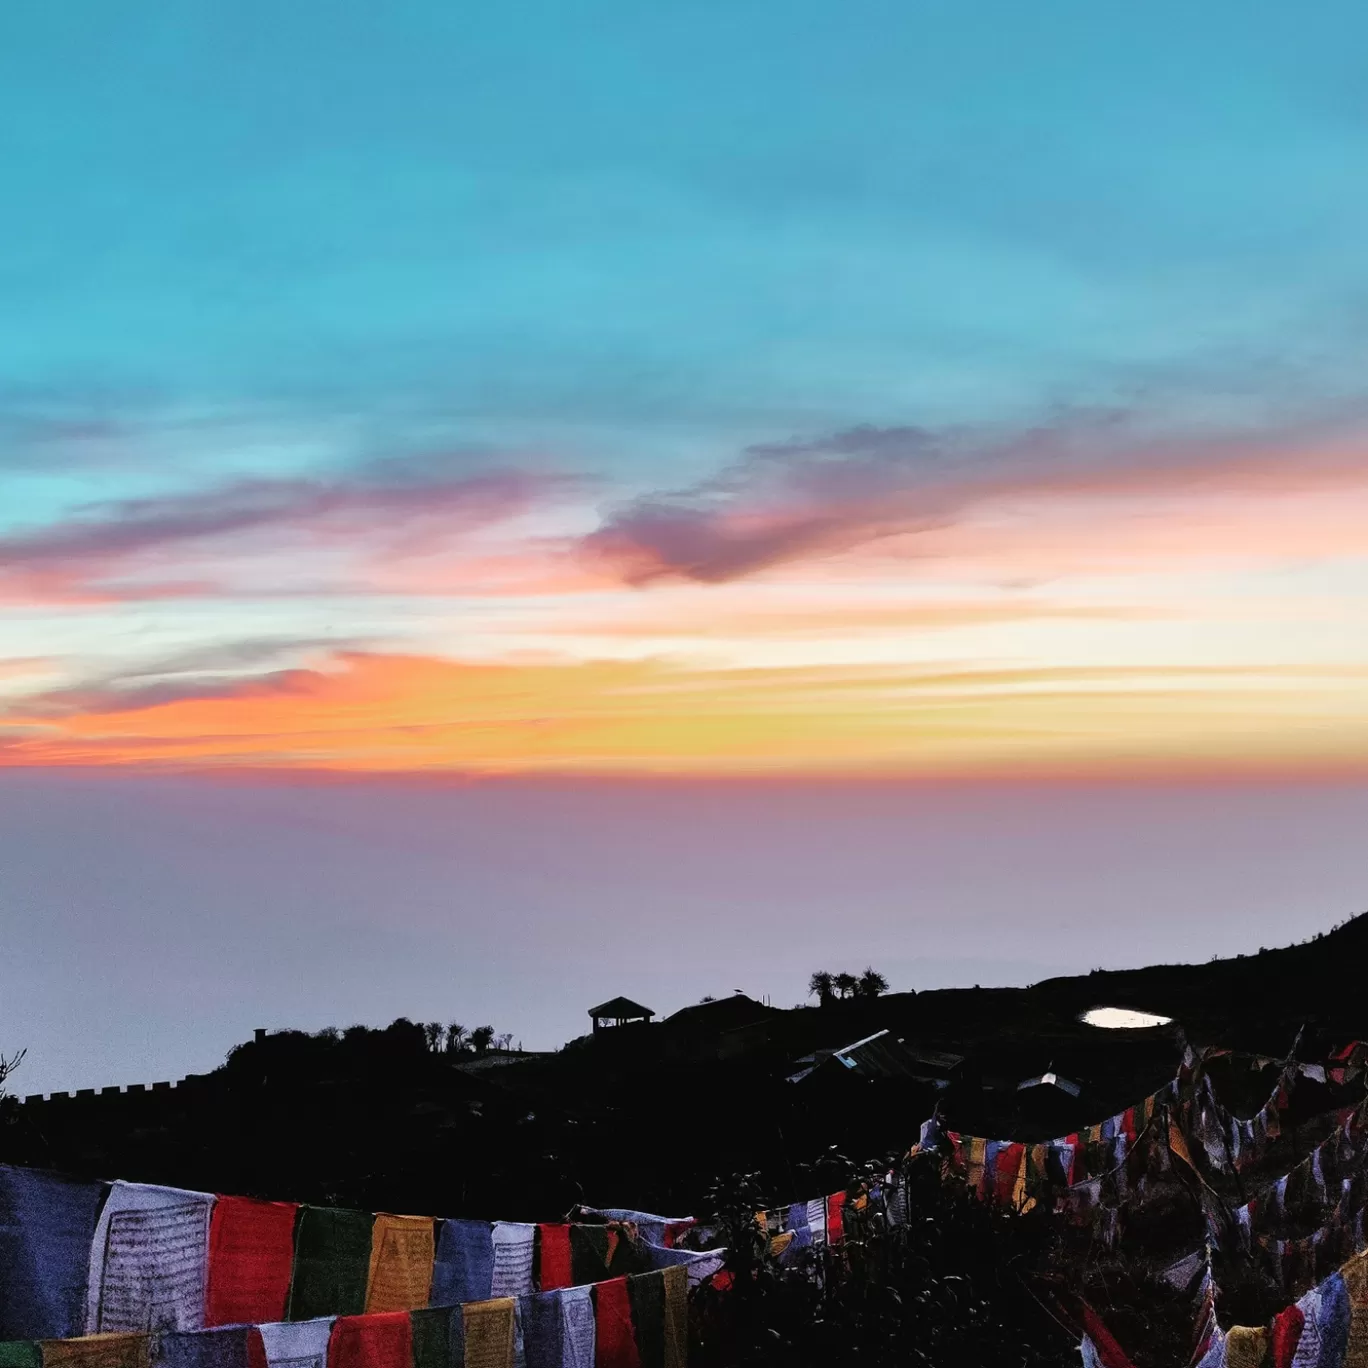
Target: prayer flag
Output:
[
  {"x": 47, "y": 1227},
  {"x": 554, "y": 1251},
  {"x": 675, "y": 1281},
  {"x": 835, "y": 1222},
  {"x": 251, "y": 1259},
  {"x": 332, "y": 1263},
  {"x": 614, "y": 1340},
  {"x": 382, "y": 1340},
  {"x": 401, "y": 1262},
  {"x": 297, "y": 1344},
  {"x": 98, "y": 1351},
  {"x": 489, "y": 1333},
  {"x": 464, "y": 1269},
  {"x": 513, "y": 1251},
  {"x": 231, "y": 1346},
  {"x": 646, "y": 1295},
  {"x": 148, "y": 1260},
  {"x": 430, "y": 1332}
]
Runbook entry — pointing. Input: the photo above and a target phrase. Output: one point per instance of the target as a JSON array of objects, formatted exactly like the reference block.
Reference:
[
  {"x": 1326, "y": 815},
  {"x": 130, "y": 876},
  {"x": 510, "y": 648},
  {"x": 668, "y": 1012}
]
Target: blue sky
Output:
[{"x": 642, "y": 235}]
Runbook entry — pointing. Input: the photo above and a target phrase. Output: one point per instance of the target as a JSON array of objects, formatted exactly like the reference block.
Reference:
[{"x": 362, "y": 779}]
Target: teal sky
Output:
[{"x": 639, "y": 236}]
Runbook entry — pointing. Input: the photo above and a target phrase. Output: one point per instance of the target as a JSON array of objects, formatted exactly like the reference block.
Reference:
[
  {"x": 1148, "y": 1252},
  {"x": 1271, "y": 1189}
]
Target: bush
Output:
[{"x": 949, "y": 1287}]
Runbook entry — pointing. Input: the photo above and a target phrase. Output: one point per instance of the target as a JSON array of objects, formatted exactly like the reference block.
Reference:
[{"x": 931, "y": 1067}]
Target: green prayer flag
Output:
[
  {"x": 431, "y": 1337},
  {"x": 20, "y": 1354},
  {"x": 332, "y": 1263},
  {"x": 646, "y": 1294}
]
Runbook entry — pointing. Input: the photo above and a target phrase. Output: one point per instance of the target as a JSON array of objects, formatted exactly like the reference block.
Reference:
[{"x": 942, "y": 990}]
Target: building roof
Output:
[
  {"x": 1050, "y": 1079},
  {"x": 620, "y": 1007},
  {"x": 880, "y": 1055},
  {"x": 939, "y": 1061}
]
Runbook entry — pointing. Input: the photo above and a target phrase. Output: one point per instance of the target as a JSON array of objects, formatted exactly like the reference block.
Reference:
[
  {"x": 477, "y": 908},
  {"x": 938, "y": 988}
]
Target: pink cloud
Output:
[
  {"x": 800, "y": 500},
  {"x": 120, "y": 549}
]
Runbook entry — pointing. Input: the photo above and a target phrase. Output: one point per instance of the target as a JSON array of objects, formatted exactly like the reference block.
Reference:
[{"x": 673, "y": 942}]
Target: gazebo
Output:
[{"x": 619, "y": 1011}]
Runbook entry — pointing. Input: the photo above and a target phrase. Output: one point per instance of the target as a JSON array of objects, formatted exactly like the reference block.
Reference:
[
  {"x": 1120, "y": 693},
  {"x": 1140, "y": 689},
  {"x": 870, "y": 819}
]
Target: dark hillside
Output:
[{"x": 649, "y": 1114}]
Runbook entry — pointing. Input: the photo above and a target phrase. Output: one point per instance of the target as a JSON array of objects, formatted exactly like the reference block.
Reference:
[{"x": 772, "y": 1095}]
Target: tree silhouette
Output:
[
  {"x": 480, "y": 1038},
  {"x": 432, "y": 1034},
  {"x": 8, "y": 1064},
  {"x": 846, "y": 984},
  {"x": 457, "y": 1038},
  {"x": 823, "y": 986},
  {"x": 871, "y": 983}
]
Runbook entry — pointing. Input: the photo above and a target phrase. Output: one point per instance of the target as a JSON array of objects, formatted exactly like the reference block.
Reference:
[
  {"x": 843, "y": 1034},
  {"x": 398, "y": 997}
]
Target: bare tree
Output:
[{"x": 8, "y": 1064}]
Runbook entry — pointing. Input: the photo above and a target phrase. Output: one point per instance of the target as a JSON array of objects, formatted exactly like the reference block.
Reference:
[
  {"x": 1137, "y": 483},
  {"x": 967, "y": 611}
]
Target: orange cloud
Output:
[{"x": 421, "y": 714}]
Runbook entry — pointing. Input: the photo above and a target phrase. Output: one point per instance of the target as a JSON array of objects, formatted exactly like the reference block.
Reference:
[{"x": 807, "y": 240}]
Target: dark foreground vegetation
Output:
[{"x": 959, "y": 1283}]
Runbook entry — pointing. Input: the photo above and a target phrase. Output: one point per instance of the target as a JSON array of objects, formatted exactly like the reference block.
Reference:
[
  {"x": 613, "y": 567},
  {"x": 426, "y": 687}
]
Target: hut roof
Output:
[{"x": 620, "y": 1007}]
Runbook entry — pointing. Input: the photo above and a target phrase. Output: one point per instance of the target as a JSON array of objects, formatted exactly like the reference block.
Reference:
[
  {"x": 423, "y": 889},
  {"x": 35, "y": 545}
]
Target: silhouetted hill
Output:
[{"x": 649, "y": 1114}]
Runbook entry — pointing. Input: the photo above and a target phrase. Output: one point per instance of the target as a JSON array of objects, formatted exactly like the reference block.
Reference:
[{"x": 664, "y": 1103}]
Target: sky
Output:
[{"x": 442, "y": 400}]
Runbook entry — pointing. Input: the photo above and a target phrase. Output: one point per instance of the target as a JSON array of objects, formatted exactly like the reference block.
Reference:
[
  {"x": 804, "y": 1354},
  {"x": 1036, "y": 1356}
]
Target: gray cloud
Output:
[
  {"x": 96, "y": 698},
  {"x": 380, "y": 501},
  {"x": 786, "y": 501},
  {"x": 221, "y": 670}
]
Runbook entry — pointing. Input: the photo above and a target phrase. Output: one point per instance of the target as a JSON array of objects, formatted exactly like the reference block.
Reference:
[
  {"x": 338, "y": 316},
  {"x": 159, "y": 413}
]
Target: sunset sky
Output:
[{"x": 790, "y": 393}]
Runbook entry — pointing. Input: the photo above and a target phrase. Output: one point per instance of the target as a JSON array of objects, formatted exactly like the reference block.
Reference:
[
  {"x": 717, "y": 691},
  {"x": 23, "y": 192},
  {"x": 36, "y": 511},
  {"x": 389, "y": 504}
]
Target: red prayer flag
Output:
[
  {"x": 615, "y": 1343},
  {"x": 675, "y": 1229},
  {"x": 1006, "y": 1167},
  {"x": 835, "y": 1221},
  {"x": 1109, "y": 1353},
  {"x": 1287, "y": 1331},
  {"x": 555, "y": 1256},
  {"x": 251, "y": 1258},
  {"x": 381, "y": 1340}
]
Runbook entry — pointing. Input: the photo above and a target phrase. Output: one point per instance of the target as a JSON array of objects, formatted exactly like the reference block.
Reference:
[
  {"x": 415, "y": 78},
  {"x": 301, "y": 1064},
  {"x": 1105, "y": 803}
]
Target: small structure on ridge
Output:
[{"x": 619, "y": 1011}]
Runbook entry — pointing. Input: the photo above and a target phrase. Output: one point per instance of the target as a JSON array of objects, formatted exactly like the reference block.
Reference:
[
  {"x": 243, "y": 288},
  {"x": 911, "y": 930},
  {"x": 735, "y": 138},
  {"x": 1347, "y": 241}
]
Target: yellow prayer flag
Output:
[
  {"x": 1355, "y": 1275},
  {"x": 977, "y": 1153},
  {"x": 676, "y": 1316},
  {"x": 1246, "y": 1347},
  {"x": 489, "y": 1333},
  {"x": 401, "y": 1258},
  {"x": 1178, "y": 1144},
  {"x": 98, "y": 1351},
  {"x": 1019, "y": 1183}
]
